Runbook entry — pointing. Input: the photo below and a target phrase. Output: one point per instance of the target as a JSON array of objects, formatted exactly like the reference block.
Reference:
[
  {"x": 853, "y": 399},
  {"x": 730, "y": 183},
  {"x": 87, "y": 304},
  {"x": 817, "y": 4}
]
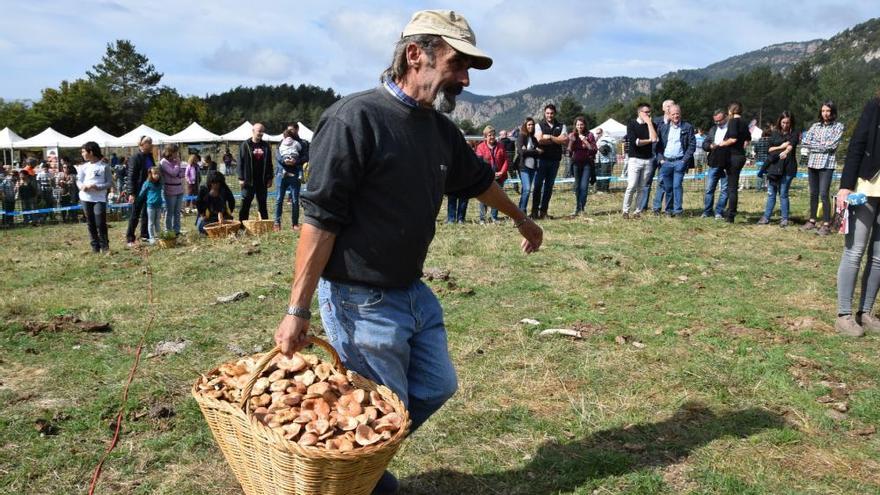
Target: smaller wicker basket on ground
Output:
[
  {"x": 222, "y": 229},
  {"x": 259, "y": 226}
]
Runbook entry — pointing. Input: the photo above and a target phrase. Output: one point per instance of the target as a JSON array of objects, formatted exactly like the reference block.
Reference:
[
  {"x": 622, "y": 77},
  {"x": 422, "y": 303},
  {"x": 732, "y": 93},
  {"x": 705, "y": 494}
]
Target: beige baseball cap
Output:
[{"x": 454, "y": 29}]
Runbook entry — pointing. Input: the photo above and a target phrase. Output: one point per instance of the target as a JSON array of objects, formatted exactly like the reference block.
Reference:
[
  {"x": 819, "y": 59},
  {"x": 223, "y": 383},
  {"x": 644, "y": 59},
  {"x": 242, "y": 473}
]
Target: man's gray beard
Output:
[{"x": 444, "y": 102}]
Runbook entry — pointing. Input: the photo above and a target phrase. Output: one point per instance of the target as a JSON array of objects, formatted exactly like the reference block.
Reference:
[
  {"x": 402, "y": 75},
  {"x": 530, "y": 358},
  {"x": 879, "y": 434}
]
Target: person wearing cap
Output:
[{"x": 381, "y": 161}]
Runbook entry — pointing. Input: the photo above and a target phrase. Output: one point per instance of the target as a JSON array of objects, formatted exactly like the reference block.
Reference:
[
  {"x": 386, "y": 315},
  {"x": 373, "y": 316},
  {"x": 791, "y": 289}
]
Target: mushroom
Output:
[
  {"x": 371, "y": 413},
  {"x": 279, "y": 386},
  {"x": 260, "y": 386},
  {"x": 319, "y": 406},
  {"x": 347, "y": 423},
  {"x": 306, "y": 416},
  {"x": 348, "y": 406},
  {"x": 308, "y": 439},
  {"x": 261, "y": 400},
  {"x": 292, "y": 399},
  {"x": 311, "y": 359},
  {"x": 276, "y": 375},
  {"x": 390, "y": 422},
  {"x": 384, "y": 407},
  {"x": 307, "y": 377},
  {"x": 292, "y": 364},
  {"x": 319, "y": 388},
  {"x": 359, "y": 395},
  {"x": 323, "y": 371},
  {"x": 291, "y": 430},
  {"x": 364, "y": 435}
]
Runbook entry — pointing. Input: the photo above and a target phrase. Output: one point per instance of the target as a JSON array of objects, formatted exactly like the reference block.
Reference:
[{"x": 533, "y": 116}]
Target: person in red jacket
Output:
[{"x": 494, "y": 155}]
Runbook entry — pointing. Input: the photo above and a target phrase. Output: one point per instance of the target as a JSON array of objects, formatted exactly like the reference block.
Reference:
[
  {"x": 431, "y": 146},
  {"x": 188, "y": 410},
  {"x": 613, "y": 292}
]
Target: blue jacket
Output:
[
  {"x": 688, "y": 142},
  {"x": 151, "y": 192}
]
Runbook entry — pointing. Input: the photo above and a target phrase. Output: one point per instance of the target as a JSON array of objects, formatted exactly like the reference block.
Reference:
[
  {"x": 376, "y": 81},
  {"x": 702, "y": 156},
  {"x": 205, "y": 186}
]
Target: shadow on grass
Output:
[{"x": 563, "y": 467}]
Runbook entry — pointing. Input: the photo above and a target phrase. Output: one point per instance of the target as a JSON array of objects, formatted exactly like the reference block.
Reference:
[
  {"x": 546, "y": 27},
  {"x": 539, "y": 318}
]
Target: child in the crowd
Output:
[
  {"x": 289, "y": 149},
  {"x": 151, "y": 193},
  {"x": 215, "y": 198},
  {"x": 193, "y": 179},
  {"x": 8, "y": 190},
  {"x": 94, "y": 178}
]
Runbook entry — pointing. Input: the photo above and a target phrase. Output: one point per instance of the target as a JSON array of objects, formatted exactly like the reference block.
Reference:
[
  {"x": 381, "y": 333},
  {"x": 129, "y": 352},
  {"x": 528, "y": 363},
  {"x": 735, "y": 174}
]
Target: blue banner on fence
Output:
[{"x": 567, "y": 180}]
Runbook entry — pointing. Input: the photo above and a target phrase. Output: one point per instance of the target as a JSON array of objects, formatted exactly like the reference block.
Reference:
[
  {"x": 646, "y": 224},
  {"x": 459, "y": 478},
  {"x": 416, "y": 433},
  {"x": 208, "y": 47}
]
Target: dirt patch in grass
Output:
[
  {"x": 66, "y": 323},
  {"x": 800, "y": 324}
]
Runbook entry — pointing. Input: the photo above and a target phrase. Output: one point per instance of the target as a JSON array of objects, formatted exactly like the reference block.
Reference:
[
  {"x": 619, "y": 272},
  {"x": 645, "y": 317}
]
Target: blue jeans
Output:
[
  {"x": 287, "y": 183},
  {"x": 581, "y": 174},
  {"x": 527, "y": 178},
  {"x": 395, "y": 337},
  {"x": 173, "y": 202},
  {"x": 672, "y": 181},
  {"x": 456, "y": 209},
  {"x": 773, "y": 187},
  {"x": 545, "y": 178},
  {"x": 646, "y": 190},
  {"x": 714, "y": 176},
  {"x": 153, "y": 225}
]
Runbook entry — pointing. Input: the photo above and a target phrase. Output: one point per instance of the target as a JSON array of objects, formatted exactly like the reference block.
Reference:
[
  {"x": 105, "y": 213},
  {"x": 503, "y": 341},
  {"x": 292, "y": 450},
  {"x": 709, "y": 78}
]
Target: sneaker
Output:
[
  {"x": 625, "y": 216},
  {"x": 763, "y": 221},
  {"x": 276, "y": 227},
  {"x": 783, "y": 222},
  {"x": 847, "y": 326},
  {"x": 810, "y": 225},
  {"x": 823, "y": 230},
  {"x": 638, "y": 214},
  {"x": 719, "y": 217},
  {"x": 295, "y": 227},
  {"x": 705, "y": 215},
  {"x": 130, "y": 245},
  {"x": 870, "y": 323},
  {"x": 387, "y": 485},
  {"x": 656, "y": 213}
]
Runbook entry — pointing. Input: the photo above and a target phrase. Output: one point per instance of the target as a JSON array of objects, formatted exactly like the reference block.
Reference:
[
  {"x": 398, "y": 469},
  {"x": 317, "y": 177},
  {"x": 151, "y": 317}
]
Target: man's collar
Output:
[
  {"x": 639, "y": 120},
  {"x": 398, "y": 93}
]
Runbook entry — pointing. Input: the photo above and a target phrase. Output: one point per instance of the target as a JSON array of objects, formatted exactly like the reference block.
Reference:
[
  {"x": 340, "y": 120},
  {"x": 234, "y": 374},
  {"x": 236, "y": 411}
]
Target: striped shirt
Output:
[{"x": 822, "y": 141}]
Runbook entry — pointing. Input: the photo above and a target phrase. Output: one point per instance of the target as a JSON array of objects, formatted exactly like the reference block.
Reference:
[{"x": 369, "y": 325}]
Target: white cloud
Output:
[{"x": 254, "y": 62}]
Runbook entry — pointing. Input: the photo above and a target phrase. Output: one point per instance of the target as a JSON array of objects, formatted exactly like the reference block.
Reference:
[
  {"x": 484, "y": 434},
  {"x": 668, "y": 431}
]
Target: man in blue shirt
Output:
[{"x": 675, "y": 152}]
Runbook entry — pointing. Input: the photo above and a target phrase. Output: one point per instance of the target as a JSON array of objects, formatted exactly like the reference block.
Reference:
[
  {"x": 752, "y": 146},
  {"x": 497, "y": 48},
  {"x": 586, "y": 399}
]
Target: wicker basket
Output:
[
  {"x": 222, "y": 229},
  {"x": 259, "y": 226},
  {"x": 265, "y": 463}
]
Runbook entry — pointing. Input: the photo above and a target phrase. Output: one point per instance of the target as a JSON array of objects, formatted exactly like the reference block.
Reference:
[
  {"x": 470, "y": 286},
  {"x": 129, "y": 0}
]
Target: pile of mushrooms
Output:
[{"x": 308, "y": 402}]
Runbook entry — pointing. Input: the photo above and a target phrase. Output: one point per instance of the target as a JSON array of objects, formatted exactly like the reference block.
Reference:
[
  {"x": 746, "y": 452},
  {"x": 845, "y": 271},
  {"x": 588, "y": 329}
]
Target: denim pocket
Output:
[{"x": 358, "y": 296}]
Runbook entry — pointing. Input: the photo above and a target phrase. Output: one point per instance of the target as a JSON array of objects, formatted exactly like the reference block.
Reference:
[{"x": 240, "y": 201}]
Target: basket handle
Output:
[{"x": 264, "y": 361}]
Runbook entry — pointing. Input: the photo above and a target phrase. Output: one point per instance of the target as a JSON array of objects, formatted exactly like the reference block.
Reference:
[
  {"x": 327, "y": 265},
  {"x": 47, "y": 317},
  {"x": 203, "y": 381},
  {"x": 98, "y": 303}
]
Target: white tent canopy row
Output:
[
  {"x": 611, "y": 128},
  {"x": 194, "y": 133}
]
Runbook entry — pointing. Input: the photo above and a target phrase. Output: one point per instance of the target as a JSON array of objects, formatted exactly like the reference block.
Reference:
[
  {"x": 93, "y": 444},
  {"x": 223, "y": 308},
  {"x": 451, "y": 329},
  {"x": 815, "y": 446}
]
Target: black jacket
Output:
[
  {"x": 522, "y": 150},
  {"x": 246, "y": 165},
  {"x": 210, "y": 206},
  {"x": 863, "y": 155},
  {"x": 137, "y": 172}
]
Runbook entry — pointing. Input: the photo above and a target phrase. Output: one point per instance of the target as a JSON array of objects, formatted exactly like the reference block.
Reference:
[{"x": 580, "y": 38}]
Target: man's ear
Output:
[{"x": 413, "y": 55}]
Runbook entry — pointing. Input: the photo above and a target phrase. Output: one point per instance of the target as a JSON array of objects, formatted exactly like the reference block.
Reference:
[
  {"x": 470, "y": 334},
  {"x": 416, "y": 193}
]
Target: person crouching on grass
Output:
[
  {"x": 151, "y": 194},
  {"x": 94, "y": 179},
  {"x": 215, "y": 199}
]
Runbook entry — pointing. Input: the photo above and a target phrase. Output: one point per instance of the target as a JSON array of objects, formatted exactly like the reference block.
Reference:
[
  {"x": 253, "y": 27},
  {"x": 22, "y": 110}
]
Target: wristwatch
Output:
[{"x": 299, "y": 312}]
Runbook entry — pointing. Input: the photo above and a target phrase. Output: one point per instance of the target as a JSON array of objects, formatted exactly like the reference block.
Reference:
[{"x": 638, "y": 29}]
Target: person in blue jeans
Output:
[
  {"x": 381, "y": 162},
  {"x": 716, "y": 161},
  {"x": 289, "y": 177},
  {"x": 659, "y": 122},
  {"x": 675, "y": 151},
  {"x": 527, "y": 153},
  {"x": 456, "y": 209},
  {"x": 552, "y": 136},
  {"x": 781, "y": 167}
]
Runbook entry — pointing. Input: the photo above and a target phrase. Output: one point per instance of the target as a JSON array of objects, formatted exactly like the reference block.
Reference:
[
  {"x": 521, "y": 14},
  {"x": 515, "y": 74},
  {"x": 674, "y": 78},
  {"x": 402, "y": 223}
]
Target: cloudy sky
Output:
[{"x": 207, "y": 47}]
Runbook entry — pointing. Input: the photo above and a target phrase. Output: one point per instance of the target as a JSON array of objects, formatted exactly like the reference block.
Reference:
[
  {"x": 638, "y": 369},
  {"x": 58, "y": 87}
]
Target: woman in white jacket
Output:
[{"x": 94, "y": 178}]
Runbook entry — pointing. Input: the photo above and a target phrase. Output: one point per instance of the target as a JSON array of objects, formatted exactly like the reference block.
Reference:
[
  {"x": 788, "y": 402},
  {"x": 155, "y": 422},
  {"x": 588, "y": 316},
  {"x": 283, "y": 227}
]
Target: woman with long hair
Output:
[
  {"x": 822, "y": 139},
  {"x": 94, "y": 180},
  {"x": 734, "y": 143},
  {"x": 781, "y": 167},
  {"x": 527, "y": 153},
  {"x": 172, "y": 181},
  {"x": 582, "y": 147},
  {"x": 861, "y": 173}
]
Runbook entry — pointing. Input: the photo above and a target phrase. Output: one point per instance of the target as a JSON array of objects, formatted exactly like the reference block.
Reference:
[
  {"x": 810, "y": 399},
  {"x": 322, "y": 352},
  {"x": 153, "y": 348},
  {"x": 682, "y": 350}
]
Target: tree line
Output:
[{"x": 123, "y": 91}]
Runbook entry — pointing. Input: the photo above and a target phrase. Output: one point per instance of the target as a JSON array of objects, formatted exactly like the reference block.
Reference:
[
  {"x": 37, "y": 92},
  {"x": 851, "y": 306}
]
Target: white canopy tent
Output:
[
  {"x": 95, "y": 134},
  {"x": 611, "y": 128},
  {"x": 240, "y": 133},
  {"x": 305, "y": 132},
  {"x": 194, "y": 134},
  {"x": 8, "y": 138},
  {"x": 133, "y": 137},
  {"x": 46, "y": 139}
]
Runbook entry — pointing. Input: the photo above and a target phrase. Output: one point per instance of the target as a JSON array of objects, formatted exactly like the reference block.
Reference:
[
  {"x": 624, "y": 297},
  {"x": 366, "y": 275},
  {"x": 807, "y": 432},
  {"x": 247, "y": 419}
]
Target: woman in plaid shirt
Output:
[{"x": 822, "y": 140}]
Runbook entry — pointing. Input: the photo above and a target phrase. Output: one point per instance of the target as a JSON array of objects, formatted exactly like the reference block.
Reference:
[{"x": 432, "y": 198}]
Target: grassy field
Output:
[{"x": 709, "y": 364}]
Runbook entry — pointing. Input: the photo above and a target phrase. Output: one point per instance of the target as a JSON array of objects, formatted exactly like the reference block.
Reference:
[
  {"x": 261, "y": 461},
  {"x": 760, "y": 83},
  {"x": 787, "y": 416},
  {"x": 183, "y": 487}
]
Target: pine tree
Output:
[{"x": 129, "y": 79}]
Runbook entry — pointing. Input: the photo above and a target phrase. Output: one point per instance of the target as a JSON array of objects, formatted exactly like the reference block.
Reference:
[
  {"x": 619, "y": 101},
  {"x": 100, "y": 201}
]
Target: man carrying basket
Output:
[{"x": 381, "y": 161}]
